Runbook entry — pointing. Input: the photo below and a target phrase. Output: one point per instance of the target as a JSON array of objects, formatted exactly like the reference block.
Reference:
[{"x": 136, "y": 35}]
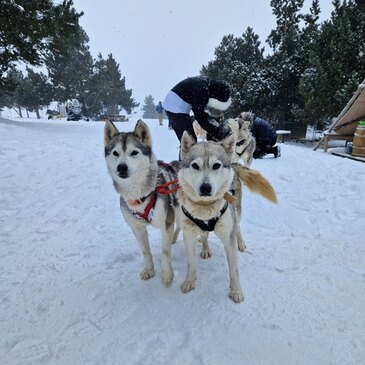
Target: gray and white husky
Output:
[
  {"x": 206, "y": 175},
  {"x": 245, "y": 141},
  {"x": 139, "y": 179}
]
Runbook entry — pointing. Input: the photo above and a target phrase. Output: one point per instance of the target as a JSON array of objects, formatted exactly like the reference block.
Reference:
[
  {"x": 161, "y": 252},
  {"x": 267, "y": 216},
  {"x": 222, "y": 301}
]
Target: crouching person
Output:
[{"x": 265, "y": 135}]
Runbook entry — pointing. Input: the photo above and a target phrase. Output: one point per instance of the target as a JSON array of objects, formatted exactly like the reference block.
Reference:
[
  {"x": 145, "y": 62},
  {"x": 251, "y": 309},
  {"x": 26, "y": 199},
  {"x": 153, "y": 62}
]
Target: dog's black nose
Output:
[
  {"x": 122, "y": 170},
  {"x": 205, "y": 189}
]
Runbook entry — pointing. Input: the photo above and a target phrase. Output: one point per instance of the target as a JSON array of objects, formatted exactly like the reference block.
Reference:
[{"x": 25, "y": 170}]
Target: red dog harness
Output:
[
  {"x": 163, "y": 189},
  {"x": 147, "y": 215}
]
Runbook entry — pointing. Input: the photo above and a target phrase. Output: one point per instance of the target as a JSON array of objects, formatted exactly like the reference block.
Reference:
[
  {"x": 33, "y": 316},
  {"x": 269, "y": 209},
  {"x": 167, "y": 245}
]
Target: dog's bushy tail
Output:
[{"x": 255, "y": 182}]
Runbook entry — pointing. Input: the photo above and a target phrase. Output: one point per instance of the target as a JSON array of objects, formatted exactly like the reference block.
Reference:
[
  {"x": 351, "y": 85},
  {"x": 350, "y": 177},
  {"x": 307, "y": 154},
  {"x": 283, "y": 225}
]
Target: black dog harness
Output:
[
  {"x": 239, "y": 144},
  {"x": 205, "y": 225},
  {"x": 242, "y": 141}
]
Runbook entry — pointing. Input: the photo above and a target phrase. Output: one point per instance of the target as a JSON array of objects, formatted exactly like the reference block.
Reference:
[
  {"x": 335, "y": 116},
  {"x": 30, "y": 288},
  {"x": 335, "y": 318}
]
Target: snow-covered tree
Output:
[
  {"x": 71, "y": 72},
  {"x": 287, "y": 63},
  {"x": 30, "y": 30},
  {"x": 240, "y": 62},
  {"x": 337, "y": 61},
  {"x": 108, "y": 87},
  {"x": 34, "y": 92},
  {"x": 149, "y": 108}
]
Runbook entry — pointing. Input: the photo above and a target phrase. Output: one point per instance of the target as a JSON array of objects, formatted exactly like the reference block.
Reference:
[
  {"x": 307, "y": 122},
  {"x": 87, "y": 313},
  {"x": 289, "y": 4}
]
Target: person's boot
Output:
[{"x": 277, "y": 152}]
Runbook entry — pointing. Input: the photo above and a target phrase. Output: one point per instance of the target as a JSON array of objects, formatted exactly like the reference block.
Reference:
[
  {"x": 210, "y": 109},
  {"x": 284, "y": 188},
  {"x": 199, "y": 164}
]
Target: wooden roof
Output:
[{"x": 354, "y": 111}]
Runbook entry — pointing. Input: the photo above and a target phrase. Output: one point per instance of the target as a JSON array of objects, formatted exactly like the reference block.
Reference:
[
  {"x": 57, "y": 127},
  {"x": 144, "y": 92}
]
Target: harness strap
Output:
[
  {"x": 147, "y": 215},
  {"x": 205, "y": 225},
  {"x": 239, "y": 144},
  {"x": 162, "y": 189},
  {"x": 172, "y": 176},
  {"x": 140, "y": 200},
  {"x": 242, "y": 141}
]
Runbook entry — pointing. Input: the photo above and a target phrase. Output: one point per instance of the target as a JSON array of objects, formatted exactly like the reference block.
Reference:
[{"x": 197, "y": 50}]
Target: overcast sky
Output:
[{"x": 160, "y": 42}]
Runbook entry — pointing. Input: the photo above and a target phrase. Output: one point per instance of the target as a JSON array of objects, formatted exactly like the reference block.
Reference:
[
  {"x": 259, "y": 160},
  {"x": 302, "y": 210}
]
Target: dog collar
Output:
[
  {"x": 147, "y": 215},
  {"x": 140, "y": 200},
  {"x": 205, "y": 225}
]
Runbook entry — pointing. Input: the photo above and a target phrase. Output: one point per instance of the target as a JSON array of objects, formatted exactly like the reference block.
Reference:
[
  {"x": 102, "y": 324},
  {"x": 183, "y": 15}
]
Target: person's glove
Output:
[{"x": 219, "y": 133}]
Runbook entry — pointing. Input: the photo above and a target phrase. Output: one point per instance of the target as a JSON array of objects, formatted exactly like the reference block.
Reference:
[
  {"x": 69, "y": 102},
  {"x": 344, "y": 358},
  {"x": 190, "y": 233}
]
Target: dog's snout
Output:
[
  {"x": 205, "y": 189},
  {"x": 122, "y": 170}
]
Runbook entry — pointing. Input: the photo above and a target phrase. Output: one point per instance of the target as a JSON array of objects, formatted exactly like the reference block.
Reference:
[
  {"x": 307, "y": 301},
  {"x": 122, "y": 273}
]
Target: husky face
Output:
[
  {"x": 247, "y": 116},
  {"x": 206, "y": 168},
  {"x": 127, "y": 154},
  {"x": 240, "y": 127}
]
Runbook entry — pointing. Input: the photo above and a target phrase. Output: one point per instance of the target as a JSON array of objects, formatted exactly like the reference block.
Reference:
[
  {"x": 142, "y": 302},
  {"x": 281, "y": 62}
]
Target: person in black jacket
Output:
[
  {"x": 196, "y": 94},
  {"x": 264, "y": 133}
]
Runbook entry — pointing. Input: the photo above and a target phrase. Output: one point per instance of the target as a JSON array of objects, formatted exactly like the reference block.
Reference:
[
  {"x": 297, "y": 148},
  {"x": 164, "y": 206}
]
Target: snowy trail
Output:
[{"x": 70, "y": 291}]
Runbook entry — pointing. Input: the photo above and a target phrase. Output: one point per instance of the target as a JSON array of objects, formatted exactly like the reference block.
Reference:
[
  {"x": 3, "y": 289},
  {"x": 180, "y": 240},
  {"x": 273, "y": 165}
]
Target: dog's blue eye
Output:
[
  {"x": 216, "y": 166},
  {"x": 134, "y": 153},
  {"x": 115, "y": 153},
  {"x": 195, "y": 166}
]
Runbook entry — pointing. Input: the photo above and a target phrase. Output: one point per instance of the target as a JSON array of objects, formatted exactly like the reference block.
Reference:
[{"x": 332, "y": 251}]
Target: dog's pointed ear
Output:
[
  {"x": 241, "y": 123},
  {"x": 233, "y": 124},
  {"x": 110, "y": 131},
  {"x": 186, "y": 142},
  {"x": 229, "y": 144},
  {"x": 246, "y": 124},
  {"x": 142, "y": 132}
]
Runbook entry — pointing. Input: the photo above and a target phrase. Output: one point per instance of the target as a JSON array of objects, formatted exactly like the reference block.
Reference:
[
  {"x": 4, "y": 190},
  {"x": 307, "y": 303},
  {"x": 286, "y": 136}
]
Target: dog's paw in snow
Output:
[
  {"x": 241, "y": 246},
  {"x": 167, "y": 278},
  {"x": 147, "y": 274},
  {"x": 206, "y": 253},
  {"x": 236, "y": 296},
  {"x": 188, "y": 286}
]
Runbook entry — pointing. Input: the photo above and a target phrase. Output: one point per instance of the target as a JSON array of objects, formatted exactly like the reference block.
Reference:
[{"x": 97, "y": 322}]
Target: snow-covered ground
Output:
[{"x": 70, "y": 291}]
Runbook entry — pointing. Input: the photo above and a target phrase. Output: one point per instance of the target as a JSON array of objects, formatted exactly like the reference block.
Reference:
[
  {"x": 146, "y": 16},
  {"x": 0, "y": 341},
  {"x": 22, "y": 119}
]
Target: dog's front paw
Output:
[
  {"x": 187, "y": 286},
  {"x": 167, "y": 278},
  {"x": 205, "y": 254},
  {"x": 236, "y": 296},
  {"x": 241, "y": 246},
  {"x": 147, "y": 274}
]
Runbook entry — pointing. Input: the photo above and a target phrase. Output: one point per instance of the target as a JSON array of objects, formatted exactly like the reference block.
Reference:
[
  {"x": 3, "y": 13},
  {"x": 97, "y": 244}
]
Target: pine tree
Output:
[
  {"x": 287, "y": 63},
  {"x": 240, "y": 62},
  {"x": 149, "y": 108},
  {"x": 337, "y": 61},
  {"x": 10, "y": 99},
  {"x": 309, "y": 37},
  {"x": 29, "y": 30},
  {"x": 34, "y": 92},
  {"x": 72, "y": 71},
  {"x": 107, "y": 87}
]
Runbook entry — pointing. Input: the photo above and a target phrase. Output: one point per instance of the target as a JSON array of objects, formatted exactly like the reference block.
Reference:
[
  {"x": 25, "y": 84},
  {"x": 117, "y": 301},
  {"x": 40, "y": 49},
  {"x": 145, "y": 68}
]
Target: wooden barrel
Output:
[{"x": 358, "y": 148}]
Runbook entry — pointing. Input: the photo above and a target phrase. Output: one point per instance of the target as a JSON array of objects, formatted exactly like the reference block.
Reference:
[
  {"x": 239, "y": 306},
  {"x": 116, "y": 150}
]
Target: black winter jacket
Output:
[
  {"x": 197, "y": 91},
  {"x": 264, "y": 132}
]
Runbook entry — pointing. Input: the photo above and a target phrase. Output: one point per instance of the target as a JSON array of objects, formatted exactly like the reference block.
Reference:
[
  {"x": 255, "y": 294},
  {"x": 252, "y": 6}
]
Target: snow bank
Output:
[{"x": 70, "y": 286}]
